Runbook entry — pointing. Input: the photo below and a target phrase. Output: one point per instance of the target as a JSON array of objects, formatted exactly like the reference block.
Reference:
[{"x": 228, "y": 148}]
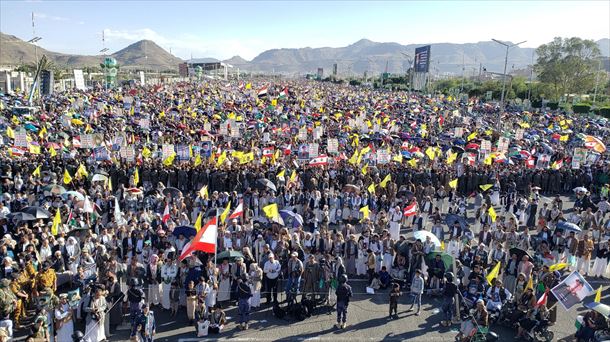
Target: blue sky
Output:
[{"x": 225, "y": 29}]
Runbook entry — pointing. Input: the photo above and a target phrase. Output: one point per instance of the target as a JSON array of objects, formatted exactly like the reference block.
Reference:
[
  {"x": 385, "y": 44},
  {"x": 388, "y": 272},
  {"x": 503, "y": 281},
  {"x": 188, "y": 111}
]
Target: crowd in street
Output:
[{"x": 309, "y": 185}]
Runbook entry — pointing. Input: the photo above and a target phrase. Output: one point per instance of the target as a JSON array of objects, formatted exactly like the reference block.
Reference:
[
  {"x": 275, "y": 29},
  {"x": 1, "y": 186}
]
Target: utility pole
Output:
[
  {"x": 597, "y": 80},
  {"x": 529, "y": 87},
  {"x": 508, "y": 46},
  {"x": 462, "y": 84}
]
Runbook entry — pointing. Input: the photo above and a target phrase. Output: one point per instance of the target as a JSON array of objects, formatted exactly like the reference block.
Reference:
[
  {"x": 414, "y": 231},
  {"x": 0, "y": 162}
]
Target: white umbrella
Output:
[
  {"x": 580, "y": 189},
  {"x": 423, "y": 234},
  {"x": 99, "y": 178}
]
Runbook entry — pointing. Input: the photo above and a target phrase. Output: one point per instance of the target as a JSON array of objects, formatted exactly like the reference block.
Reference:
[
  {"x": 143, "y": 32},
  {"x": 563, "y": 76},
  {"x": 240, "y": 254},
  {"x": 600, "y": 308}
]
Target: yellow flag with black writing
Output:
[
  {"x": 366, "y": 212},
  {"x": 385, "y": 181},
  {"x": 36, "y": 172},
  {"x": 492, "y": 213},
  {"x": 198, "y": 223},
  {"x": 371, "y": 188},
  {"x": 136, "y": 177},
  {"x": 67, "y": 177},
  {"x": 453, "y": 184},
  {"x": 494, "y": 273},
  {"x": 225, "y": 212},
  {"x": 56, "y": 223}
]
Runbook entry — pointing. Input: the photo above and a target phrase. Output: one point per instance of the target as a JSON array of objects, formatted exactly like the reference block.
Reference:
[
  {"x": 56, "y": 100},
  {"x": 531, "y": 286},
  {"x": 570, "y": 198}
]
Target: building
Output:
[{"x": 209, "y": 67}]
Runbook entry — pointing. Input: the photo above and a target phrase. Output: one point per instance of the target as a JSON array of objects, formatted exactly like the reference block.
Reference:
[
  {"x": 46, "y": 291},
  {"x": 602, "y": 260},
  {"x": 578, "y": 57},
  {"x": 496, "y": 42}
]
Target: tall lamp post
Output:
[{"x": 508, "y": 46}]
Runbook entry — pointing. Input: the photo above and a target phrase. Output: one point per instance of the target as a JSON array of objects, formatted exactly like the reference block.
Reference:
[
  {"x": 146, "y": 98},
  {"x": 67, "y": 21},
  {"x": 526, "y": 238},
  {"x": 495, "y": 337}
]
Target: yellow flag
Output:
[
  {"x": 203, "y": 192},
  {"x": 42, "y": 132},
  {"x": 364, "y": 169},
  {"x": 371, "y": 188},
  {"x": 412, "y": 162},
  {"x": 487, "y": 160},
  {"x": 274, "y": 102},
  {"x": 453, "y": 183},
  {"x": 56, "y": 223},
  {"x": 248, "y": 85},
  {"x": 365, "y": 213},
  {"x": 486, "y": 187},
  {"x": 170, "y": 159},
  {"x": 564, "y": 137},
  {"x": 471, "y": 136},
  {"x": 494, "y": 273},
  {"x": 136, "y": 177},
  {"x": 430, "y": 153},
  {"x": 109, "y": 184},
  {"x": 34, "y": 149},
  {"x": 162, "y": 114},
  {"x": 530, "y": 283},
  {"x": 558, "y": 267},
  {"x": 451, "y": 157},
  {"x": 10, "y": 133},
  {"x": 293, "y": 176},
  {"x": 52, "y": 152},
  {"x": 198, "y": 223},
  {"x": 354, "y": 158},
  {"x": 67, "y": 177},
  {"x": 598, "y": 295},
  {"x": 198, "y": 160},
  {"x": 492, "y": 213},
  {"x": 281, "y": 173},
  {"x": 442, "y": 245},
  {"x": 82, "y": 171},
  {"x": 225, "y": 212},
  {"x": 397, "y": 158},
  {"x": 146, "y": 153},
  {"x": 221, "y": 159},
  {"x": 36, "y": 172},
  {"x": 385, "y": 181},
  {"x": 271, "y": 211}
]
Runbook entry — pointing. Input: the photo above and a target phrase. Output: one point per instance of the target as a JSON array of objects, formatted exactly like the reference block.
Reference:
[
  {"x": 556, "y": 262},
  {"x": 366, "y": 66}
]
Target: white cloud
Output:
[{"x": 185, "y": 45}]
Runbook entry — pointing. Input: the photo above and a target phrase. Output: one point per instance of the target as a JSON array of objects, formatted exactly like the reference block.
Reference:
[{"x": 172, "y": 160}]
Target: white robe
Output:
[
  {"x": 67, "y": 329},
  {"x": 95, "y": 329},
  {"x": 168, "y": 274}
]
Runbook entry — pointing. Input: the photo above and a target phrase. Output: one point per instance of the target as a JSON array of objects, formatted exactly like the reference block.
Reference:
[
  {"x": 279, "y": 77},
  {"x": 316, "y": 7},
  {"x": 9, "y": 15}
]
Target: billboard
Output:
[
  {"x": 320, "y": 73},
  {"x": 422, "y": 58}
]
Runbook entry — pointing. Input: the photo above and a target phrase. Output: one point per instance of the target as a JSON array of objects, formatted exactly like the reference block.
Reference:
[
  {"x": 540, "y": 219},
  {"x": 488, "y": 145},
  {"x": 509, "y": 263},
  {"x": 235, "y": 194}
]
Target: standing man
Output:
[
  {"x": 344, "y": 293},
  {"x": 417, "y": 289},
  {"x": 244, "y": 292},
  {"x": 295, "y": 270},
  {"x": 583, "y": 252},
  {"x": 272, "y": 270},
  {"x": 145, "y": 324}
]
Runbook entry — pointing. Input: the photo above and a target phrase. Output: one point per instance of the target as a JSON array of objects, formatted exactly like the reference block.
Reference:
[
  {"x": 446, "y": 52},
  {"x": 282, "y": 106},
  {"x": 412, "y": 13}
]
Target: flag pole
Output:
[{"x": 216, "y": 240}]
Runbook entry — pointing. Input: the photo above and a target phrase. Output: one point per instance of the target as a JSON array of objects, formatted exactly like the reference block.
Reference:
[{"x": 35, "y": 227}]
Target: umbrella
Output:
[
  {"x": 564, "y": 225},
  {"x": 452, "y": 218},
  {"x": 285, "y": 214},
  {"x": 350, "y": 188},
  {"x": 20, "y": 216},
  {"x": 520, "y": 253},
  {"x": 457, "y": 149},
  {"x": 173, "y": 192},
  {"x": 185, "y": 230},
  {"x": 134, "y": 191},
  {"x": 37, "y": 212},
  {"x": 231, "y": 255},
  {"x": 595, "y": 143},
  {"x": 599, "y": 307},
  {"x": 99, "y": 178},
  {"x": 580, "y": 189},
  {"x": 423, "y": 234},
  {"x": 54, "y": 189},
  {"x": 447, "y": 259},
  {"x": 77, "y": 195},
  {"x": 267, "y": 183},
  {"x": 472, "y": 146},
  {"x": 405, "y": 193}
]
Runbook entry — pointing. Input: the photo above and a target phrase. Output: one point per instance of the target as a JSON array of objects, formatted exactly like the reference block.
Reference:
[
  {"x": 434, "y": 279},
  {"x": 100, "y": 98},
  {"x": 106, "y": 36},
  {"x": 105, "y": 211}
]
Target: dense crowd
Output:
[{"x": 311, "y": 184}]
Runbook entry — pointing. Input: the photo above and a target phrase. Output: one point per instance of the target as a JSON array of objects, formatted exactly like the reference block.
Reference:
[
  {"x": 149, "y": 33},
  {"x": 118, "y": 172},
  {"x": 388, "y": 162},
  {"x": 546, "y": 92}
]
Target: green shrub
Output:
[
  {"x": 553, "y": 105},
  {"x": 604, "y": 111},
  {"x": 581, "y": 108}
]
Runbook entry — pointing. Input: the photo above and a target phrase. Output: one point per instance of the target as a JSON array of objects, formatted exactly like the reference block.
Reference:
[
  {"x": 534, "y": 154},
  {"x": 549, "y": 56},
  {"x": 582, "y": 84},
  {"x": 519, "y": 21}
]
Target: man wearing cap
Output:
[
  {"x": 46, "y": 280},
  {"x": 271, "y": 270},
  {"x": 295, "y": 270}
]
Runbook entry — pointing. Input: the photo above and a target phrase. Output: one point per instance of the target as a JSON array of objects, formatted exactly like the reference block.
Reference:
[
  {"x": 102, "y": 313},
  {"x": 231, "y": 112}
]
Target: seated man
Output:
[{"x": 384, "y": 278}]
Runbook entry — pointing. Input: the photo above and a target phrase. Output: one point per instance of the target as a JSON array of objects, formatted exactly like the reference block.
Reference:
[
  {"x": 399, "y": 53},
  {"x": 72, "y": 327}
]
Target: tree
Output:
[{"x": 568, "y": 64}]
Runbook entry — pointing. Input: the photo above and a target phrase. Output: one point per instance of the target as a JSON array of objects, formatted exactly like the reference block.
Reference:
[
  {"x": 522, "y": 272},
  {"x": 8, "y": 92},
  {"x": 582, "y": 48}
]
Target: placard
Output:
[
  {"x": 458, "y": 132},
  {"x": 486, "y": 147},
  {"x": 21, "y": 139},
  {"x": 167, "y": 150},
  {"x": 543, "y": 161},
  {"x": 519, "y": 133},
  {"x": 313, "y": 150},
  {"x": 332, "y": 145},
  {"x": 100, "y": 153},
  {"x": 224, "y": 128},
  {"x": 235, "y": 131},
  {"x": 317, "y": 133},
  {"x": 145, "y": 124},
  {"x": 503, "y": 144},
  {"x": 303, "y": 134},
  {"x": 87, "y": 141},
  {"x": 207, "y": 126},
  {"x": 206, "y": 149},
  {"x": 183, "y": 152},
  {"x": 303, "y": 153},
  {"x": 383, "y": 157},
  {"x": 79, "y": 80},
  {"x": 579, "y": 157}
]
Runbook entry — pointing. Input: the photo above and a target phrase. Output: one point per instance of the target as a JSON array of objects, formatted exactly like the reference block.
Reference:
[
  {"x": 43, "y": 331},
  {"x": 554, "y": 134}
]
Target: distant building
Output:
[{"x": 209, "y": 67}]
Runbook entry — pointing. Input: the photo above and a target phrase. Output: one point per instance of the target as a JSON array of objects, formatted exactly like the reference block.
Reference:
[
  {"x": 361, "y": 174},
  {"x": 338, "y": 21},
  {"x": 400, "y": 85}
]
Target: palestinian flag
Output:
[{"x": 284, "y": 93}]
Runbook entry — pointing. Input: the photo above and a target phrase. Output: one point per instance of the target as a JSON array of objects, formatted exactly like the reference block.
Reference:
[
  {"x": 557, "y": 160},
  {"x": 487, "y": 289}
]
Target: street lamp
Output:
[
  {"x": 508, "y": 46},
  {"x": 34, "y": 41},
  {"x": 409, "y": 59}
]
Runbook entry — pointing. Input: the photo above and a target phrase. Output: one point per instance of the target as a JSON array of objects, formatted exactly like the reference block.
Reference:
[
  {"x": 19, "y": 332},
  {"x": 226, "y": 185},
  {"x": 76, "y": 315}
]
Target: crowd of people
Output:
[{"x": 311, "y": 184}]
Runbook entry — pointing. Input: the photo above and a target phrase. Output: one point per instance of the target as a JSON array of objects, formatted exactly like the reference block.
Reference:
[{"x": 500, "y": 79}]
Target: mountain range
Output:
[{"x": 355, "y": 59}]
